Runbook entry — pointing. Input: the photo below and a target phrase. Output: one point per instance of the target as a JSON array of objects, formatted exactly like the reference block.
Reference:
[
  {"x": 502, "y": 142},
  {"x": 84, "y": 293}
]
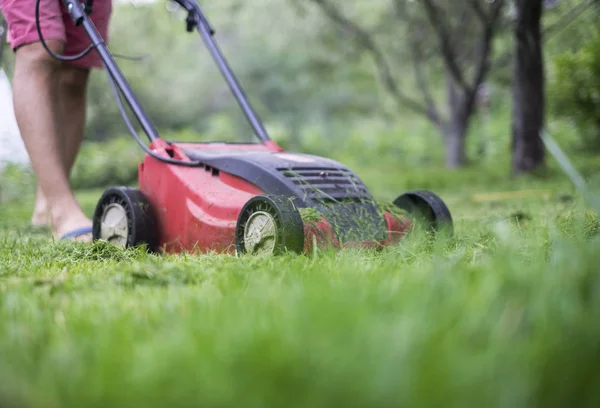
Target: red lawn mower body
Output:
[
  {"x": 198, "y": 208},
  {"x": 239, "y": 197}
]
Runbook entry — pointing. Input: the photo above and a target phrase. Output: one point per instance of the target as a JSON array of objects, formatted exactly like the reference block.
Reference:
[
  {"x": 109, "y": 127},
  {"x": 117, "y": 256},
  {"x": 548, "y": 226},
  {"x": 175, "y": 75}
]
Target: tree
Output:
[
  {"x": 450, "y": 40},
  {"x": 561, "y": 17},
  {"x": 528, "y": 103}
]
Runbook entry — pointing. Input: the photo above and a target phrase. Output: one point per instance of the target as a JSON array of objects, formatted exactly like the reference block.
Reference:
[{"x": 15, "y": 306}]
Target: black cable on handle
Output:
[
  {"x": 118, "y": 82},
  {"x": 77, "y": 13},
  {"x": 52, "y": 53},
  {"x": 133, "y": 132},
  {"x": 88, "y": 10}
]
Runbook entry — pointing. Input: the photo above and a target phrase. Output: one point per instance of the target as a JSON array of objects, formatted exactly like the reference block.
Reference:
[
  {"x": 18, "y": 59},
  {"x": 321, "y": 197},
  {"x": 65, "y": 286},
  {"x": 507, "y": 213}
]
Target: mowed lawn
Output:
[{"x": 504, "y": 314}]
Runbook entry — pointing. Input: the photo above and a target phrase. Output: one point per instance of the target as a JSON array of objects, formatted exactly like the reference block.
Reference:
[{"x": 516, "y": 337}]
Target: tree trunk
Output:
[
  {"x": 528, "y": 89},
  {"x": 455, "y": 130},
  {"x": 455, "y": 137}
]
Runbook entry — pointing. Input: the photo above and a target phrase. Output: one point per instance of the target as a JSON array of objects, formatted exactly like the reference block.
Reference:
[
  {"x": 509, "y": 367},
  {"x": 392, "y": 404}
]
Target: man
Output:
[{"x": 50, "y": 103}]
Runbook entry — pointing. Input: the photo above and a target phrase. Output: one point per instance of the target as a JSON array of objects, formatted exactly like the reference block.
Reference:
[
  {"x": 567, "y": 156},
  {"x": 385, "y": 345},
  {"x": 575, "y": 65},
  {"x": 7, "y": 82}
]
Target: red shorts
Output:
[{"x": 55, "y": 24}]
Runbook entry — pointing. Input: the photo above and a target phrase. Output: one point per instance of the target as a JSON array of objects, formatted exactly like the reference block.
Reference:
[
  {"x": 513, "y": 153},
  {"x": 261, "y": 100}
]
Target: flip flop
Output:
[{"x": 77, "y": 232}]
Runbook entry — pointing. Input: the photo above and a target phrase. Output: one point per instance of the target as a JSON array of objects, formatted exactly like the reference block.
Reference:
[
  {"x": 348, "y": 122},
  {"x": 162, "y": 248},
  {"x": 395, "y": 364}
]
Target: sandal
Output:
[{"x": 78, "y": 232}]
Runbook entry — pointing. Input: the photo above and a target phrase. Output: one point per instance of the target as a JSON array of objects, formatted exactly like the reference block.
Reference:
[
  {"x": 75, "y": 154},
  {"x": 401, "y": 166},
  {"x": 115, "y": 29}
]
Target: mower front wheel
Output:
[
  {"x": 124, "y": 217},
  {"x": 269, "y": 225},
  {"x": 427, "y": 209}
]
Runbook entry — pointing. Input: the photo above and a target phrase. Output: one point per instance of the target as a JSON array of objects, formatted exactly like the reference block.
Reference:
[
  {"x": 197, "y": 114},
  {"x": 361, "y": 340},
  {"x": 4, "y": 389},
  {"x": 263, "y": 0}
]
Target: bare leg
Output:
[
  {"x": 36, "y": 90},
  {"x": 72, "y": 96},
  {"x": 73, "y": 102}
]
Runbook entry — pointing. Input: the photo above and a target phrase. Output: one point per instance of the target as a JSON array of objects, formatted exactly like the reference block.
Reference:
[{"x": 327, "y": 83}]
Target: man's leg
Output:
[
  {"x": 36, "y": 87},
  {"x": 72, "y": 93},
  {"x": 74, "y": 76},
  {"x": 72, "y": 96}
]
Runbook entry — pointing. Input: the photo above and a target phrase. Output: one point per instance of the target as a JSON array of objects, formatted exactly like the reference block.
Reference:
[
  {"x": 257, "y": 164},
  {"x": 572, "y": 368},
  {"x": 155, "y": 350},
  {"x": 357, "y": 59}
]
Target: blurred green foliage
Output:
[
  {"x": 285, "y": 72},
  {"x": 315, "y": 92},
  {"x": 576, "y": 90}
]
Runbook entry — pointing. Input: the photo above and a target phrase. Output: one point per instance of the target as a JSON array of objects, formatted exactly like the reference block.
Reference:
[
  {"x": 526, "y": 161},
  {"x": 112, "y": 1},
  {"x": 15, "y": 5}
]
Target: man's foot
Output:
[
  {"x": 41, "y": 215},
  {"x": 40, "y": 219},
  {"x": 80, "y": 234},
  {"x": 77, "y": 228}
]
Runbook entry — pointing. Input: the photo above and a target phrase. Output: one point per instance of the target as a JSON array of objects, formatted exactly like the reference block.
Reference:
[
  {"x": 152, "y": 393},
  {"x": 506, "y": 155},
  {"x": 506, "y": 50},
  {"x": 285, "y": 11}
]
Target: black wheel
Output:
[
  {"x": 269, "y": 225},
  {"x": 426, "y": 208},
  {"x": 124, "y": 217}
]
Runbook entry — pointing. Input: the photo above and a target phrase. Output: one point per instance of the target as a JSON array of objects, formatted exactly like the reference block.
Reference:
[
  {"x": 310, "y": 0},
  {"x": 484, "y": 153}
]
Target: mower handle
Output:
[{"x": 196, "y": 18}]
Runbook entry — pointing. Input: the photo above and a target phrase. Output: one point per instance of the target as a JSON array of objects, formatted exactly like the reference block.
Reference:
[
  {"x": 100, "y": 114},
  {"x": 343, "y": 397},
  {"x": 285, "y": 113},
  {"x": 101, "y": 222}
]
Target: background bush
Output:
[{"x": 575, "y": 91}]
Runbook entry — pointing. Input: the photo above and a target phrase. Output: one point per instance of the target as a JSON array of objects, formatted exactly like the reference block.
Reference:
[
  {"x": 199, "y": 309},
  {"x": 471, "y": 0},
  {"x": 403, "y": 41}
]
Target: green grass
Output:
[{"x": 505, "y": 314}]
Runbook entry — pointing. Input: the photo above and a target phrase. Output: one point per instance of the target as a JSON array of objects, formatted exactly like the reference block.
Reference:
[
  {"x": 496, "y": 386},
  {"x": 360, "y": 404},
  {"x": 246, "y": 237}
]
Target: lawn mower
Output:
[{"x": 241, "y": 198}]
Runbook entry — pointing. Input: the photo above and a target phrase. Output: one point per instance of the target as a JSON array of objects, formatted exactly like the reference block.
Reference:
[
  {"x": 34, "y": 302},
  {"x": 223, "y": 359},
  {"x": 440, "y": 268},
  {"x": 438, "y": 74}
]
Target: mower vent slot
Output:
[
  {"x": 345, "y": 200},
  {"x": 320, "y": 183},
  {"x": 212, "y": 170}
]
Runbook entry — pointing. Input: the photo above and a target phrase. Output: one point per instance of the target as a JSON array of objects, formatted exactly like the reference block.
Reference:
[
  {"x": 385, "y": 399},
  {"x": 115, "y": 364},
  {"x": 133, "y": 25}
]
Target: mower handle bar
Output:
[{"x": 196, "y": 18}]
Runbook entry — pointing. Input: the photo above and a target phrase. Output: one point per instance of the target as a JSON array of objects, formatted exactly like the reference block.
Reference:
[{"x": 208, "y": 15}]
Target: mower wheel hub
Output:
[
  {"x": 114, "y": 227},
  {"x": 260, "y": 233}
]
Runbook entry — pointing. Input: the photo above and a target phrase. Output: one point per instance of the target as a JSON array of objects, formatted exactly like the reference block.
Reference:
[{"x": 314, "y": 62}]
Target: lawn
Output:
[{"x": 504, "y": 314}]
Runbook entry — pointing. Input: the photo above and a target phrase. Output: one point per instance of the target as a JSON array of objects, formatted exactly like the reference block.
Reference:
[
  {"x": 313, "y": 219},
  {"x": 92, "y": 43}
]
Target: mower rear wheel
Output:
[
  {"x": 269, "y": 225},
  {"x": 124, "y": 217},
  {"x": 426, "y": 208}
]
